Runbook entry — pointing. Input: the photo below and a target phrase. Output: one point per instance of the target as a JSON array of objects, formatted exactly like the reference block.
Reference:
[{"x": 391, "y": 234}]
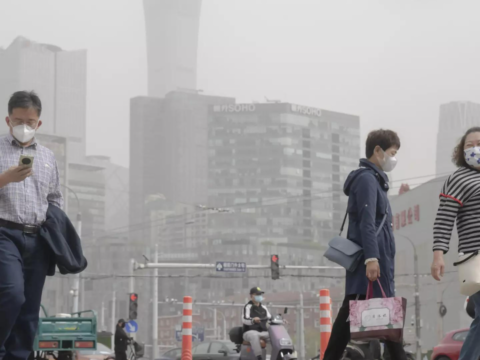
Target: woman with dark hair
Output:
[
  {"x": 460, "y": 202},
  {"x": 369, "y": 225}
]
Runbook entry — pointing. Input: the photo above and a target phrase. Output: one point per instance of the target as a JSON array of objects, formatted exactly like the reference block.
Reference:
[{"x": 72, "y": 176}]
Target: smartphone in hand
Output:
[{"x": 26, "y": 160}]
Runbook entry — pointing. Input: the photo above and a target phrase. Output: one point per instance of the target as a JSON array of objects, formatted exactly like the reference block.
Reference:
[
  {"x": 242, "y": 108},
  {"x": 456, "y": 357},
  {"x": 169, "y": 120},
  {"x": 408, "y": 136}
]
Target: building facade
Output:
[
  {"x": 59, "y": 77},
  {"x": 455, "y": 119},
  {"x": 172, "y": 40},
  {"x": 284, "y": 165},
  {"x": 88, "y": 184},
  {"x": 168, "y": 150}
]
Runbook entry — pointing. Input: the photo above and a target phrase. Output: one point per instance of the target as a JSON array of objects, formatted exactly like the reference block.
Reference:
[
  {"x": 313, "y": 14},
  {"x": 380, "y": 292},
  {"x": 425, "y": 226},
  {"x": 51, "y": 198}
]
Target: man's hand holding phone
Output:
[{"x": 16, "y": 174}]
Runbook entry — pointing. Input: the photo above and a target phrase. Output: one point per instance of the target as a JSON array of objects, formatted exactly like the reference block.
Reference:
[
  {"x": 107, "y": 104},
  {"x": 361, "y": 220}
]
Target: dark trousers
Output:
[
  {"x": 24, "y": 260},
  {"x": 121, "y": 355},
  {"x": 341, "y": 335}
]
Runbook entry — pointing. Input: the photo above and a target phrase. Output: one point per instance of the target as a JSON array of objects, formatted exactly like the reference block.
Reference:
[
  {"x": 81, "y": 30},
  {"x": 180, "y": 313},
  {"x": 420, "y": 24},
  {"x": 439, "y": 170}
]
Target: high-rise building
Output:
[
  {"x": 88, "y": 182},
  {"x": 59, "y": 78},
  {"x": 455, "y": 119},
  {"x": 284, "y": 165},
  {"x": 172, "y": 38},
  {"x": 117, "y": 192},
  {"x": 168, "y": 149}
]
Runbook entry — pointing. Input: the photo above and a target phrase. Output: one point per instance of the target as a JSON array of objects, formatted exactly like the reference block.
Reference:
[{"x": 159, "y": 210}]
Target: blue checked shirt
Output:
[{"x": 27, "y": 202}]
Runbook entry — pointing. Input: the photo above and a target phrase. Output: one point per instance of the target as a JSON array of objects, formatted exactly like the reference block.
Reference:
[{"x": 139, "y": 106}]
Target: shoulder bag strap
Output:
[
  {"x": 382, "y": 223},
  {"x": 378, "y": 230},
  {"x": 343, "y": 223},
  {"x": 466, "y": 259}
]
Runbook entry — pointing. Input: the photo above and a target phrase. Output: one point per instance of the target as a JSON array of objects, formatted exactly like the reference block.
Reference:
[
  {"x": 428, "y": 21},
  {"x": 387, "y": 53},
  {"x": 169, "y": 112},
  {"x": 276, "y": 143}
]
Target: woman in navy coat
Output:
[{"x": 368, "y": 204}]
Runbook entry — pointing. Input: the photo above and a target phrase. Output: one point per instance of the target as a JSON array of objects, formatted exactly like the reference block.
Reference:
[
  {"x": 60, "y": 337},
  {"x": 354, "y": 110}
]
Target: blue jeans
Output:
[
  {"x": 24, "y": 261},
  {"x": 471, "y": 346}
]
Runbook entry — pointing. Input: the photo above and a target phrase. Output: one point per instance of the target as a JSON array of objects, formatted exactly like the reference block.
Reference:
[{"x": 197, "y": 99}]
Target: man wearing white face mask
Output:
[{"x": 25, "y": 196}]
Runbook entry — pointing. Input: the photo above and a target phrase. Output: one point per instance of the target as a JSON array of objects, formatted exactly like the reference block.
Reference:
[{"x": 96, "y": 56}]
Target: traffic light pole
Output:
[
  {"x": 132, "y": 288},
  {"x": 155, "y": 309}
]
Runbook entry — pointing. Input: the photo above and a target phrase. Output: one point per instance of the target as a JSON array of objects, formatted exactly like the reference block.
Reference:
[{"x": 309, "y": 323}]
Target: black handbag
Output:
[{"x": 347, "y": 253}]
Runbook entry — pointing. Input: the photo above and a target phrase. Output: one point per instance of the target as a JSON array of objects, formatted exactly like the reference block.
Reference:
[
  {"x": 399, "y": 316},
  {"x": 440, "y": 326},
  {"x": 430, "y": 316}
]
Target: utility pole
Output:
[
  {"x": 442, "y": 310},
  {"x": 418, "y": 325},
  {"x": 184, "y": 229},
  {"x": 224, "y": 328},
  {"x": 417, "y": 306},
  {"x": 155, "y": 309},
  {"x": 439, "y": 316},
  {"x": 298, "y": 341},
  {"x": 132, "y": 286},
  {"x": 76, "y": 277},
  {"x": 302, "y": 329},
  {"x": 102, "y": 322},
  {"x": 215, "y": 324},
  {"x": 114, "y": 321}
]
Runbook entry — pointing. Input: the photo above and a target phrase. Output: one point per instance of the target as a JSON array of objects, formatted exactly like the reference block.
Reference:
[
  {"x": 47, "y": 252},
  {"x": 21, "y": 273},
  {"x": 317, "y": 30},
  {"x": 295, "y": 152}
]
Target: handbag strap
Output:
[
  {"x": 466, "y": 259},
  {"x": 370, "y": 290},
  {"x": 378, "y": 230}
]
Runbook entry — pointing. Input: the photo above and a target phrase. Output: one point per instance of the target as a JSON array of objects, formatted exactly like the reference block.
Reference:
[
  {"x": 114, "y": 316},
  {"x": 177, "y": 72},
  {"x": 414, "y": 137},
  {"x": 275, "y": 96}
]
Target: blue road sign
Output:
[
  {"x": 198, "y": 334},
  {"x": 131, "y": 327},
  {"x": 225, "y": 266}
]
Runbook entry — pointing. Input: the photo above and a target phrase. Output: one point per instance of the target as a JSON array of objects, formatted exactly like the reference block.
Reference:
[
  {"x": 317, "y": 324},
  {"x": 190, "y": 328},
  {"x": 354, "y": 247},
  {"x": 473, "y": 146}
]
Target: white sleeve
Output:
[
  {"x": 247, "y": 320},
  {"x": 269, "y": 316}
]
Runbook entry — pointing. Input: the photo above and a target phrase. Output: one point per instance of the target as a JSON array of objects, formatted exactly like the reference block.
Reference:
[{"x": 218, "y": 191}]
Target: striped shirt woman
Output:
[{"x": 460, "y": 203}]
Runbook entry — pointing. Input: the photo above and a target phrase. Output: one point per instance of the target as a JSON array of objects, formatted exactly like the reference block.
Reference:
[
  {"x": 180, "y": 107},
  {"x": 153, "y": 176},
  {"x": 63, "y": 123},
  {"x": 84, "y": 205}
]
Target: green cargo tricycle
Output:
[{"x": 59, "y": 337}]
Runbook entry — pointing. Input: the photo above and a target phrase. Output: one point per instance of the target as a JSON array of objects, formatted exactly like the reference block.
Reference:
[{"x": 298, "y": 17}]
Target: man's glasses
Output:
[{"x": 30, "y": 123}]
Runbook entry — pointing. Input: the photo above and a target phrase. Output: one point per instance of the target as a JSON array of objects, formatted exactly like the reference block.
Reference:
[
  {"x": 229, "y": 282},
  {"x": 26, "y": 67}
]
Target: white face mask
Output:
[
  {"x": 472, "y": 156},
  {"x": 23, "y": 133},
  {"x": 388, "y": 163}
]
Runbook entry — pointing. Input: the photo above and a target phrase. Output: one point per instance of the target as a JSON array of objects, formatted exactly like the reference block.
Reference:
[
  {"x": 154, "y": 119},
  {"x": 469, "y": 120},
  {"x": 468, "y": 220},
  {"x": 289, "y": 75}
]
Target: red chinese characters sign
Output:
[{"x": 406, "y": 217}]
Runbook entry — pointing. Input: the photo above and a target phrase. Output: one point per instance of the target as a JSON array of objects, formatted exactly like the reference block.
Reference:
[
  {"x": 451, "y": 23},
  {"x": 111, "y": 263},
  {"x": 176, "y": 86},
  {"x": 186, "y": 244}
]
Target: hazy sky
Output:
[{"x": 390, "y": 62}]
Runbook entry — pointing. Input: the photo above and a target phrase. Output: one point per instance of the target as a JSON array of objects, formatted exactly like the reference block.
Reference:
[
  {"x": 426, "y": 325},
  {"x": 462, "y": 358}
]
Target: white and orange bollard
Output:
[
  {"x": 187, "y": 328},
  {"x": 325, "y": 320}
]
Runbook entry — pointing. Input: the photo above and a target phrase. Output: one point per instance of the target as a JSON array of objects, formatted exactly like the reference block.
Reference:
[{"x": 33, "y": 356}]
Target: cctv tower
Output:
[{"x": 172, "y": 40}]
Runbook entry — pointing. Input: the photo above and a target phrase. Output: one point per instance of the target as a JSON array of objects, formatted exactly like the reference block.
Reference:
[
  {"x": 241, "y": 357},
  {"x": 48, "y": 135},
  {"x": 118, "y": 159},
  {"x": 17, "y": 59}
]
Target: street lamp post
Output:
[
  {"x": 76, "y": 277},
  {"x": 215, "y": 325},
  {"x": 417, "y": 298}
]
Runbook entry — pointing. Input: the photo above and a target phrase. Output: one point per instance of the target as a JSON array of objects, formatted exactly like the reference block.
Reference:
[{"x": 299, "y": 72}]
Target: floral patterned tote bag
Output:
[{"x": 379, "y": 318}]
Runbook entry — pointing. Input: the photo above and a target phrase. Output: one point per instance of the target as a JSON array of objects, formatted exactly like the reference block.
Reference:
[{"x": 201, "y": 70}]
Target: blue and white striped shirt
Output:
[{"x": 27, "y": 202}]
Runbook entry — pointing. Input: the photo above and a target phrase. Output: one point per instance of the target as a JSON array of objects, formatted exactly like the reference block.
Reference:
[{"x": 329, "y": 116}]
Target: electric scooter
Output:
[{"x": 281, "y": 342}]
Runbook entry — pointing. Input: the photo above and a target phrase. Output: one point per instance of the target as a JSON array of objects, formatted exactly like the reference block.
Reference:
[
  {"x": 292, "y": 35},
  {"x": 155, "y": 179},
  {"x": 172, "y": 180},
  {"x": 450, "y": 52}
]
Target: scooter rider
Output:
[{"x": 255, "y": 316}]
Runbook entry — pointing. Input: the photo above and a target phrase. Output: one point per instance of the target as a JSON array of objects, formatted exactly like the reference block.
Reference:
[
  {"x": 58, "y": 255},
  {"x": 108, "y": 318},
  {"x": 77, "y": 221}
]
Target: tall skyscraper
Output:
[
  {"x": 168, "y": 149},
  {"x": 172, "y": 39},
  {"x": 59, "y": 77},
  {"x": 284, "y": 165},
  {"x": 455, "y": 118}
]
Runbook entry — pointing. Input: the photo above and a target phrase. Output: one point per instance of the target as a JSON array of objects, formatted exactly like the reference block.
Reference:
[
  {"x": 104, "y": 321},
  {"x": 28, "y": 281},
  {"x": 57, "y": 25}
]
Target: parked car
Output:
[
  {"x": 102, "y": 353},
  {"x": 449, "y": 348},
  {"x": 215, "y": 350},
  {"x": 171, "y": 354}
]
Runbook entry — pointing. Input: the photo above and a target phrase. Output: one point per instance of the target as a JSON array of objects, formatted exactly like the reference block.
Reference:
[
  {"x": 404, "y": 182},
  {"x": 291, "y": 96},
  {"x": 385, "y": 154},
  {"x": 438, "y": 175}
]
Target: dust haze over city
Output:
[{"x": 223, "y": 130}]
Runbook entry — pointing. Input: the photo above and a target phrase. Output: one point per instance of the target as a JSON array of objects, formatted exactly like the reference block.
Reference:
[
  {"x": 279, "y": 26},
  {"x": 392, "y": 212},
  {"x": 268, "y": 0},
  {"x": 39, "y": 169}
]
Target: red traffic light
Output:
[
  {"x": 133, "y": 297},
  {"x": 274, "y": 258}
]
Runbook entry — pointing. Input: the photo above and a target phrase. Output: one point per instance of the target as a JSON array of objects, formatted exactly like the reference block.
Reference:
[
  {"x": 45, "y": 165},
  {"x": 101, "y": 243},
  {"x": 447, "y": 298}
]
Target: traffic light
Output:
[
  {"x": 275, "y": 267},
  {"x": 132, "y": 308}
]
